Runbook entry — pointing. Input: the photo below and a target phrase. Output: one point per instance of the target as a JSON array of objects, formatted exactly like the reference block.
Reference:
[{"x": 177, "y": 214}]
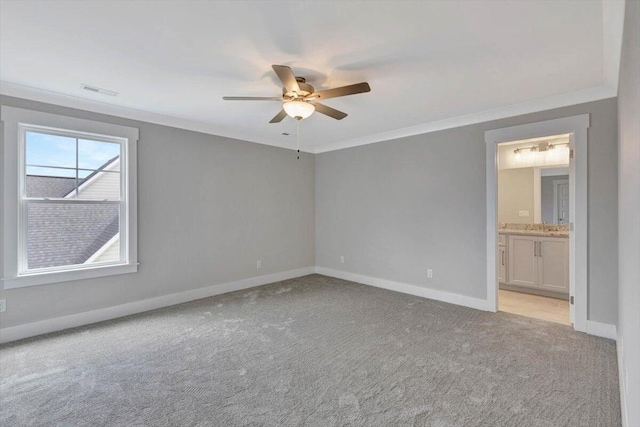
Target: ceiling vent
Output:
[{"x": 99, "y": 90}]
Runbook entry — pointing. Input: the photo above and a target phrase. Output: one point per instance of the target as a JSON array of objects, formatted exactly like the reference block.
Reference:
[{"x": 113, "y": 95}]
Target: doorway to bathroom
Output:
[
  {"x": 537, "y": 245},
  {"x": 533, "y": 228}
]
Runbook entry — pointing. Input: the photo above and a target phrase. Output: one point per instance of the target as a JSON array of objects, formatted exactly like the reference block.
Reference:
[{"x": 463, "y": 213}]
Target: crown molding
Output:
[
  {"x": 49, "y": 97},
  {"x": 612, "y": 29},
  {"x": 564, "y": 100}
]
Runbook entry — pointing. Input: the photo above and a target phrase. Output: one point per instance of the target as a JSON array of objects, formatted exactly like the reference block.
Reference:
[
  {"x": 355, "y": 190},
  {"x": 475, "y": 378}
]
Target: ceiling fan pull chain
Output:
[{"x": 298, "y": 136}]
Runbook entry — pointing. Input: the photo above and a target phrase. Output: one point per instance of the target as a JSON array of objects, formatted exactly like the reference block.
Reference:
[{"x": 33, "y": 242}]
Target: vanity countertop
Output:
[
  {"x": 539, "y": 233},
  {"x": 541, "y": 229}
]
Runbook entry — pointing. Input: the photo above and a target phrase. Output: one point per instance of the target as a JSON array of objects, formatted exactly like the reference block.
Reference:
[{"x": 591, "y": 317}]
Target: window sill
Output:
[{"x": 46, "y": 278}]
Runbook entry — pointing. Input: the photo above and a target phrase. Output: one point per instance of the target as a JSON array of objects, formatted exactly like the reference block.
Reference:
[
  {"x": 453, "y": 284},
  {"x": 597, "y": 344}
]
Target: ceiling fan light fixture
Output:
[
  {"x": 298, "y": 109},
  {"x": 300, "y": 99}
]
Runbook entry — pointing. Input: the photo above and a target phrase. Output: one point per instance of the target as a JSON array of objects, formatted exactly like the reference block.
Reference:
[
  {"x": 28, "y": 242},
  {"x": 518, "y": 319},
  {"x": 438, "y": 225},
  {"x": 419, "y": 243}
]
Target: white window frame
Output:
[{"x": 16, "y": 122}]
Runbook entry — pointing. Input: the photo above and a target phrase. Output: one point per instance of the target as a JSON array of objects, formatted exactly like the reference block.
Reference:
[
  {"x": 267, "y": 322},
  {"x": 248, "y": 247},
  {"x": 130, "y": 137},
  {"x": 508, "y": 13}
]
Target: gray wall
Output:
[
  {"x": 209, "y": 207},
  {"x": 396, "y": 208},
  {"x": 629, "y": 212},
  {"x": 546, "y": 198}
]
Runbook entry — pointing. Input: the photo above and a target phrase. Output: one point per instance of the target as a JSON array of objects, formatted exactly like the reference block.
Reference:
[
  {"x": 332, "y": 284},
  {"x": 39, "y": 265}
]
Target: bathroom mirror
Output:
[{"x": 531, "y": 195}]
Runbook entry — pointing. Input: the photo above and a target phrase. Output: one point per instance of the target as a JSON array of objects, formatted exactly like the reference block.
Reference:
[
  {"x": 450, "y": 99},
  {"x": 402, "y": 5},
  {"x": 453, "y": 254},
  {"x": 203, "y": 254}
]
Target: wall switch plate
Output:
[
  {"x": 3, "y": 305},
  {"x": 523, "y": 213},
  {"x": 430, "y": 273},
  {"x": 341, "y": 259},
  {"x": 259, "y": 264}
]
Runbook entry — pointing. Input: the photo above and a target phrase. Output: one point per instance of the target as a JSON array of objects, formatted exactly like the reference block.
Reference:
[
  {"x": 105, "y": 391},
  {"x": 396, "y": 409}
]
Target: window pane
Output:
[
  {"x": 60, "y": 234},
  {"x": 98, "y": 155},
  {"x": 50, "y": 182},
  {"x": 56, "y": 183},
  {"x": 60, "y": 183},
  {"x": 50, "y": 150}
]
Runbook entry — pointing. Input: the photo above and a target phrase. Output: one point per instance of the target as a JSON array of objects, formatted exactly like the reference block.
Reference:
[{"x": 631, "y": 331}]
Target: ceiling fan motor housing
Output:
[{"x": 305, "y": 89}]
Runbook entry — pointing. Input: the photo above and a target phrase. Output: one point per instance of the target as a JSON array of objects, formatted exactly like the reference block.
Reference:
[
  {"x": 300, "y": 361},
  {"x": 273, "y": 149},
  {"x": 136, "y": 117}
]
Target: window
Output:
[
  {"x": 74, "y": 198},
  {"x": 71, "y": 200}
]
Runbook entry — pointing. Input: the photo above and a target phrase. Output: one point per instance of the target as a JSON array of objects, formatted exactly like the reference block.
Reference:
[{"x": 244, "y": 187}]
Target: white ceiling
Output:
[{"x": 431, "y": 65}]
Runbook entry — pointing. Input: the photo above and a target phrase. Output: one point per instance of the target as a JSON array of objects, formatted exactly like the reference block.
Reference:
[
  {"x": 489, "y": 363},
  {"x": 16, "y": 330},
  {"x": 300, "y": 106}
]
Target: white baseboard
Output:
[
  {"x": 621, "y": 380},
  {"x": 405, "y": 288},
  {"x": 603, "y": 330},
  {"x": 593, "y": 328},
  {"x": 80, "y": 319}
]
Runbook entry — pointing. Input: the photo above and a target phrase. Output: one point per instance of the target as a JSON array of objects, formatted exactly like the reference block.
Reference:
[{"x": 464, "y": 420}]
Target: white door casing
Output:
[{"x": 576, "y": 128}]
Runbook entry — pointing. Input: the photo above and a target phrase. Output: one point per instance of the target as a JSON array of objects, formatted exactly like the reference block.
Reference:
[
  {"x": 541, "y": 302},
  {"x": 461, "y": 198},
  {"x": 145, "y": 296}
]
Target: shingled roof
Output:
[
  {"x": 68, "y": 234},
  {"x": 61, "y": 233},
  {"x": 49, "y": 186}
]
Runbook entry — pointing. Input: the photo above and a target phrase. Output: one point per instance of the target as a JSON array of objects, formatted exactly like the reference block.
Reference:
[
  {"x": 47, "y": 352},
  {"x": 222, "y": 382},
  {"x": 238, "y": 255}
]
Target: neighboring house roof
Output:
[
  {"x": 49, "y": 186},
  {"x": 61, "y": 233},
  {"x": 66, "y": 234},
  {"x": 89, "y": 177}
]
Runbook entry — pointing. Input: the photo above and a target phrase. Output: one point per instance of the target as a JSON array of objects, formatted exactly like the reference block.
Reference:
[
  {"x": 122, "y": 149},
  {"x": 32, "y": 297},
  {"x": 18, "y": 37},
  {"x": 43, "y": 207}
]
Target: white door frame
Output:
[
  {"x": 555, "y": 197},
  {"x": 576, "y": 128}
]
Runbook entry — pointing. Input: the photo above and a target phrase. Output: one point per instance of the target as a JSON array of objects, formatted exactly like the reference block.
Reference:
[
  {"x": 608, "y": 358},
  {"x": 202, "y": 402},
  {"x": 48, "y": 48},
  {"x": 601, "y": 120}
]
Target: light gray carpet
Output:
[{"x": 312, "y": 351}]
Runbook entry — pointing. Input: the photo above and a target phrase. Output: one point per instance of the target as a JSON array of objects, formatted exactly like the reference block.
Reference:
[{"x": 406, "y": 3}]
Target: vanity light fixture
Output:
[{"x": 543, "y": 146}]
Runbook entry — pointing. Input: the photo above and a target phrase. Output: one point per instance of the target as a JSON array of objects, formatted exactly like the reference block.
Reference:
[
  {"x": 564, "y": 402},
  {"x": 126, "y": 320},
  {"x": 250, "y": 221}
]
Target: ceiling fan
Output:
[{"x": 300, "y": 99}]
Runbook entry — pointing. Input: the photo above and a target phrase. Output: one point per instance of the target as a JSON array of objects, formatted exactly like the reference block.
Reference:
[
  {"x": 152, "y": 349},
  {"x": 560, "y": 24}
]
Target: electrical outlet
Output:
[
  {"x": 430, "y": 273},
  {"x": 341, "y": 259},
  {"x": 3, "y": 305},
  {"x": 523, "y": 213},
  {"x": 259, "y": 264}
]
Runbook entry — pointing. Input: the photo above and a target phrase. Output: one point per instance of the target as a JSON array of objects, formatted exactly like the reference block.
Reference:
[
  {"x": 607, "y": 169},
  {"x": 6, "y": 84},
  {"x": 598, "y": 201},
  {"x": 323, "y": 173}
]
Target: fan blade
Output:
[
  {"x": 278, "y": 118},
  {"x": 328, "y": 111},
  {"x": 341, "y": 91},
  {"x": 287, "y": 78},
  {"x": 251, "y": 98}
]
